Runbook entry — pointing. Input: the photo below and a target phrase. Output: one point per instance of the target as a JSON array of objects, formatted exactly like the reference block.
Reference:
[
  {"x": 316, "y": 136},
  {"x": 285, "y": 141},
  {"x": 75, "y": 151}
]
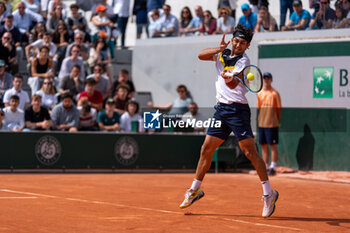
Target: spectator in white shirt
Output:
[
  {"x": 14, "y": 117},
  {"x": 131, "y": 120},
  {"x": 17, "y": 90}
]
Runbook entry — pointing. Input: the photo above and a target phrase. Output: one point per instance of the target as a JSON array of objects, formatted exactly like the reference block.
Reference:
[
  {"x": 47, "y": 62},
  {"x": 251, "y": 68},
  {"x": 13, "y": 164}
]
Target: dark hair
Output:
[
  {"x": 124, "y": 71},
  {"x": 182, "y": 87},
  {"x": 67, "y": 95},
  {"x": 4, "y": 5},
  {"x": 122, "y": 86},
  {"x": 105, "y": 46},
  {"x": 14, "y": 97},
  {"x": 135, "y": 103},
  {"x": 18, "y": 76},
  {"x": 74, "y": 6},
  {"x": 189, "y": 14},
  {"x": 76, "y": 66},
  {"x": 86, "y": 108},
  {"x": 90, "y": 81},
  {"x": 44, "y": 47},
  {"x": 47, "y": 34},
  {"x": 247, "y": 32},
  {"x": 76, "y": 45},
  {"x": 36, "y": 97}
]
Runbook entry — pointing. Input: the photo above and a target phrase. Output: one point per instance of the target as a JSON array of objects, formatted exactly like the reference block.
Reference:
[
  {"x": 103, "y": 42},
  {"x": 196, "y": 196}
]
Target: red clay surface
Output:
[{"x": 149, "y": 203}]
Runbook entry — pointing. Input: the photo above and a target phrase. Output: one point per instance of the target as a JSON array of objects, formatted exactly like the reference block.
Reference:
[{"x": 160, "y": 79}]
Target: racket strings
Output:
[{"x": 254, "y": 85}]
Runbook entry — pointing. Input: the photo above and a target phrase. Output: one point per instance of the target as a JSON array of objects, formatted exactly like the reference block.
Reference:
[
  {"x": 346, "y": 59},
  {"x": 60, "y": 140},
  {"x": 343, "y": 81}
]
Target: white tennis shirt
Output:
[{"x": 224, "y": 94}]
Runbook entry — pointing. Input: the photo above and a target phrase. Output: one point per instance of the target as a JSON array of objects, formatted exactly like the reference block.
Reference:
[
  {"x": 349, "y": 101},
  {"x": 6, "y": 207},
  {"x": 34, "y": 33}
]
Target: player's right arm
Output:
[{"x": 208, "y": 54}]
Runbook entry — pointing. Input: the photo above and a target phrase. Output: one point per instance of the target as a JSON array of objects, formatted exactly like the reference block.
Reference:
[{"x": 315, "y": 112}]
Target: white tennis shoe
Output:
[
  {"x": 191, "y": 196},
  {"x": 269, "y": 203}
]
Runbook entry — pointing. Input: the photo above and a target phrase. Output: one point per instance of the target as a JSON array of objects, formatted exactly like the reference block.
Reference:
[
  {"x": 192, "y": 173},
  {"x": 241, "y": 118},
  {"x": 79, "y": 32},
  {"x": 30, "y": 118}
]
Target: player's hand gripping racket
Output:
[{"x": 251, "y": 78}]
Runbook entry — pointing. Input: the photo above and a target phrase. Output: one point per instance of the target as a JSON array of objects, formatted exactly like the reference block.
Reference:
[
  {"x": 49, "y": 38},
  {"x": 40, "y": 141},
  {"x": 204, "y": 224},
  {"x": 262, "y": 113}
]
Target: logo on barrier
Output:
[
  {"x": 126, "y": 151},
  {"x": 48, "y": 150},
  {"x": 323, "y": 82},
  {"x": 151, "y": 120}
]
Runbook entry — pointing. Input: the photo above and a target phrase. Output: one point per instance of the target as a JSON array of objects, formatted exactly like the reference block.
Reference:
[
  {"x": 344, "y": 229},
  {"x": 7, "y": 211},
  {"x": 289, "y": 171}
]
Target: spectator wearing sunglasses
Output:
[
  {"x": 323, "y": 16},
  {"x": 225, "y": 23},
  {"x": 248, "y": 19},
  {"x": 48, "y": 94}
]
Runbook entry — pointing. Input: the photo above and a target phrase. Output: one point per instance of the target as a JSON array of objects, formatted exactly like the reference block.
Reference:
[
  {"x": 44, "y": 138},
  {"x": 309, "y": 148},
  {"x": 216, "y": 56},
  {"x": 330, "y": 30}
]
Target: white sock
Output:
[
  {"x": 196, "y": 184},
  {"x": 273, "y": 165},
  {"x": 266, "y": 187}
]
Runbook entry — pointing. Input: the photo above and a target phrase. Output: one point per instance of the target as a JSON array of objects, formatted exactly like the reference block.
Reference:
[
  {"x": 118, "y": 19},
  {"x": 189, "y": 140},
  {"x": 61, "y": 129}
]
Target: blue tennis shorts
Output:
[
  {"x": 234, "y": 118},
  {"x": 268, "y": 136}
]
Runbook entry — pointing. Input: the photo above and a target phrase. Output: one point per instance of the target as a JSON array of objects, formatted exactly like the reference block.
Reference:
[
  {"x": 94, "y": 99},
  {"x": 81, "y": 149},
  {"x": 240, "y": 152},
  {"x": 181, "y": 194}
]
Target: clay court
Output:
[{"x": 149, "y": 203}]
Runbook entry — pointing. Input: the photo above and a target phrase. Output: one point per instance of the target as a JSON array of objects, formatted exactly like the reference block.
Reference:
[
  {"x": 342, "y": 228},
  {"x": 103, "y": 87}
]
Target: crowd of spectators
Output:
[
  {"x": 255, "y": 15},
  {"x": 65, "y": 58}
]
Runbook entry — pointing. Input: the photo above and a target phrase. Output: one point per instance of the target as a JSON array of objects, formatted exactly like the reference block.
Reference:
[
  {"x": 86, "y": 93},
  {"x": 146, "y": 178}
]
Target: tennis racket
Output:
[{"x": 252, "y": 78}]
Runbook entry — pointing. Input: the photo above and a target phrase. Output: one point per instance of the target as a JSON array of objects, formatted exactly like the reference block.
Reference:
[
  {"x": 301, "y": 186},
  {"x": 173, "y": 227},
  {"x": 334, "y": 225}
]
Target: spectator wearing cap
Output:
[
  {"x": 5, "y": 81},
  {"x": 300, "y": 18},
  {"x": 103, "y": 82},
  {"x": 65, "y": 116},
  {"x": 69, "y": 62},
  {"x": 91, "y": 95},
  {"x": 285, "y": 5},
  {"x": 14, "y": 116},
  {"x": 323, "y": 16},
  {"x": 248, "y": 19},
  {"x": 169, "y": 24},
  {"x": 17, "y": 90},
  {"x": 36, "y": 116},
  {"x": 71, "y": 83},
  {"x": 270, "y": 110},
  {"x": 101, "y": 22},
  {"x": 87, "y": 118},
  {"x": 77, "y": 22},
  {"x": 2, "y": 117},
  {"x": 131, "y": 116},
  {"x": 108, "y": 119},
  {"x": 226, "y": 22},
  {"x": 23, "y": 20},
  {"x": 109, "y": 8}
]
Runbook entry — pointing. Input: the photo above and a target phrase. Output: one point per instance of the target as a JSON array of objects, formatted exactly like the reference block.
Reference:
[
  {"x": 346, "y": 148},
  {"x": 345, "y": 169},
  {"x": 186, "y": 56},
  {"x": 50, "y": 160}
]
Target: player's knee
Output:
[
  {"x": 251, "y": 155},
  {"x": 206, "y": 150}
]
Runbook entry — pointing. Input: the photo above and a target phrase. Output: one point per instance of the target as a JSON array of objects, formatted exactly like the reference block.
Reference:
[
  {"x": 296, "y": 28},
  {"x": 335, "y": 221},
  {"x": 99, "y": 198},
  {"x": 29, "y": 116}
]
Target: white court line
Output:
[
  {"x": 18, "y": 197},
  {"x": 148, "y": 209}
]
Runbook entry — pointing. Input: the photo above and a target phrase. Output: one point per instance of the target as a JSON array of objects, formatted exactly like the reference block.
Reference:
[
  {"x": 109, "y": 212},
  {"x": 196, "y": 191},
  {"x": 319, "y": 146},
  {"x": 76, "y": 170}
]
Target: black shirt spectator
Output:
[
  {"x": 35, "y": 117},
  {"x": 9, "y": 27},
  {"x": 6, "y": 52}
]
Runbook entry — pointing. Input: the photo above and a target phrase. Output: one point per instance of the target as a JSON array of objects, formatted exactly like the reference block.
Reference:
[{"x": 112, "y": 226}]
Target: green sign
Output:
[{"x": 323, "y": 82}]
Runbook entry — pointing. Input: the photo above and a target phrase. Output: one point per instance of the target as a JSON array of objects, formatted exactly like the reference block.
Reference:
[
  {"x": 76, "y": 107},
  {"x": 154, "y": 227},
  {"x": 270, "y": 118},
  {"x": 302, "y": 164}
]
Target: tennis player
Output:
[{"x": 233, "y": 111}]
